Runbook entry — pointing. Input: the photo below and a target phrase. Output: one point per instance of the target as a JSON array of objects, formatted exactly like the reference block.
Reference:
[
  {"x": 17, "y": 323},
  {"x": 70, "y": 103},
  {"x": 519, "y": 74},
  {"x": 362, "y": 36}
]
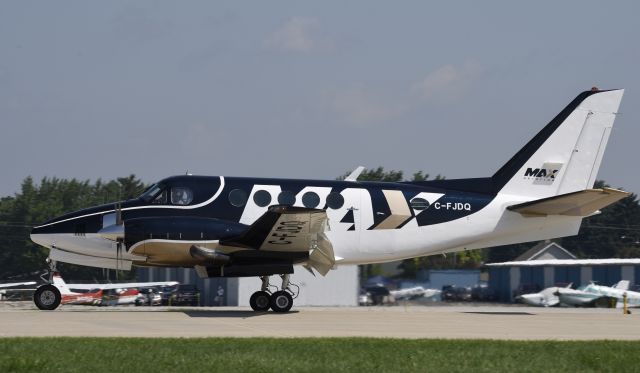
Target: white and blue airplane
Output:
[
  {"x": 235, "y": 226},
  {"x": 598, "y": 295}
]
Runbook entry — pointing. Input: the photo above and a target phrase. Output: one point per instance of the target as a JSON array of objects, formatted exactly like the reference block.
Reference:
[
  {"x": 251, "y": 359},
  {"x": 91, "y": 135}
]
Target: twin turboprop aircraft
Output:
[{"x": 237, "y": 227}]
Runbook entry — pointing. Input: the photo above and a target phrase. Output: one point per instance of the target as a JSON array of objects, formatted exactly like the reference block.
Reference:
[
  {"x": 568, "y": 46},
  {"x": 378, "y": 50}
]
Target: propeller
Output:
[
  {"x": 119, "y": 224},
  {"x": 114, "y": 232}
]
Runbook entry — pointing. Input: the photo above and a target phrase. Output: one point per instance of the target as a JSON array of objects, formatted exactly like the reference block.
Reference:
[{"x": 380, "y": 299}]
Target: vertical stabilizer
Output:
[{"x": 565, "y": 156}]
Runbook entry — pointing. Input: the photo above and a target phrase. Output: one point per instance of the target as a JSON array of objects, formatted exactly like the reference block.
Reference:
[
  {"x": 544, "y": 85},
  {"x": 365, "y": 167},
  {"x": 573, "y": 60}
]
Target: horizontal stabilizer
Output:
[{"x": 582, "y": 203}]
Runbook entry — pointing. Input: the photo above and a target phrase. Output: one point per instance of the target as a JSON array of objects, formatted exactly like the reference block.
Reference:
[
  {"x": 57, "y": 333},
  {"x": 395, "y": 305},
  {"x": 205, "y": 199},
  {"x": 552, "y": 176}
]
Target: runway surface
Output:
[{"x": 452, "y": 322}]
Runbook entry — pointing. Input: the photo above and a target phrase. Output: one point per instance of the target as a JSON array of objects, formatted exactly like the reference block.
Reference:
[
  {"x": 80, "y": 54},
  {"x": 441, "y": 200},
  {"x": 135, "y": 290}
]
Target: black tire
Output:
[
  {"x": 281, "y": 301},
  {"x": 47, "y": 297},
  {"x": 260, "y": 301}
]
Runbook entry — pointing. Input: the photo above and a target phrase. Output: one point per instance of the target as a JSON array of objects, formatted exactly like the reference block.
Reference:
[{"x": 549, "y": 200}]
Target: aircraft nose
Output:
[{"x": 40, "y": 239}]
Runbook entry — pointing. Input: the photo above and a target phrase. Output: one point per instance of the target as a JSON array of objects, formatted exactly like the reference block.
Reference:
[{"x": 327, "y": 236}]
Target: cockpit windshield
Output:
[{"x": 151, "y": 192}]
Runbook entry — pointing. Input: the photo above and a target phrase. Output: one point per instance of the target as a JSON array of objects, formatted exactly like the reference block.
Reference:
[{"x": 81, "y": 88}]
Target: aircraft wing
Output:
[
  {"x": 121, "y": 285},
  {"x": 582, "y": 203},
  {"x": 290, "y": 229},
  {"x": 10, "y": 285}
]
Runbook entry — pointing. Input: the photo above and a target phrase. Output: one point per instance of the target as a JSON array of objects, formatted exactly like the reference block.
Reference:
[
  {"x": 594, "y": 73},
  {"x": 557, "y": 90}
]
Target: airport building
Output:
[
  {"x": 338, "y": 288},
  {"x": 548, "y": 264}
]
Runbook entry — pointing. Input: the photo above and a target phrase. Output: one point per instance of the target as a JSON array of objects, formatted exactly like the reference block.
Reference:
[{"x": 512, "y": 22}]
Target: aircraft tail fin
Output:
[
  {"x": 565, "y": 155},
  {"x": 622, "y": 285}
]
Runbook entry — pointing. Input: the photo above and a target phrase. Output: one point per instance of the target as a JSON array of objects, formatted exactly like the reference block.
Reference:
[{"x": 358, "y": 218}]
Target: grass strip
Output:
[{"x": 311, "y": 355}]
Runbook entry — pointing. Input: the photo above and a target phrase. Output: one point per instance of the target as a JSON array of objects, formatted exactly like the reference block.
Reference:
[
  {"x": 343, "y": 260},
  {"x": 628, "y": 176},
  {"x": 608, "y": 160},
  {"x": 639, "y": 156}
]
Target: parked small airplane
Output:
[
  {"x": 14, "y": 284},
  {"x": 546, "y": 298},
  {"x": 6, "y": 287},
  {"x": 235, "y": 227},
  {"x": 597, "y": 295},
  {"x": 414, "y": 292},
  {"x": 102, "y": 294}
]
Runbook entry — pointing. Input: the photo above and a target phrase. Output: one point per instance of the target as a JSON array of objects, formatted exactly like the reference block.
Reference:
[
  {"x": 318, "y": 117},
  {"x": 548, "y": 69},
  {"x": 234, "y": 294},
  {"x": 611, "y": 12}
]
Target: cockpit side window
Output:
[{"x": 181, "y": 196}]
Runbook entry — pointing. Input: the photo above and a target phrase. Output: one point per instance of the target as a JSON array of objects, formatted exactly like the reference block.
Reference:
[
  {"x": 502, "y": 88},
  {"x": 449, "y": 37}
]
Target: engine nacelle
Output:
[{"x": 179, "y": 229}]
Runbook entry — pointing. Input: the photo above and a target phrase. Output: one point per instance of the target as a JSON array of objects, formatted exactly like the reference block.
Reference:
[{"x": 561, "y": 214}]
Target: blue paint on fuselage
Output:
[{"x": 454, "y": 204}]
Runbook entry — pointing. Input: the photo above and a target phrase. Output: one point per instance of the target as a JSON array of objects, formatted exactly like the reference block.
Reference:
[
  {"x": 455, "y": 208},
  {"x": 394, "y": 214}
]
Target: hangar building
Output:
[{"x": 548, "y": 264}]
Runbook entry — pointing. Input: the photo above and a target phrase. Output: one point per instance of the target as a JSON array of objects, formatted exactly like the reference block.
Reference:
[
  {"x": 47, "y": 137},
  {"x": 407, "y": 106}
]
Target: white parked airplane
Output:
[
  {"x": 235, "y": 227},
  {"x": 14, "y": 284},
  {"x": 414, "y": 292},
  {"x": 546, "y": 298},
  {"x": 592, "y": 295},
  {"x": 7, "y": 286}
]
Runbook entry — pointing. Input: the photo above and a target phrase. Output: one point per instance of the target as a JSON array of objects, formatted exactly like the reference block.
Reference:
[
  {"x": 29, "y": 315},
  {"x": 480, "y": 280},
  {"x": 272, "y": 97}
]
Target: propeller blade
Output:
[{"x": 112, "y": 232}]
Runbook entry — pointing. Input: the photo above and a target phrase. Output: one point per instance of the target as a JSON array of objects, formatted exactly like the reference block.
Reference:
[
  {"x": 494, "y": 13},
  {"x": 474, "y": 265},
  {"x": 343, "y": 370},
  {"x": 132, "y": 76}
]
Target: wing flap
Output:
[
  {"x": 282, "y": 228},
  {"x": 582, "y": 203},
  {"x": 290, "y": 229}
]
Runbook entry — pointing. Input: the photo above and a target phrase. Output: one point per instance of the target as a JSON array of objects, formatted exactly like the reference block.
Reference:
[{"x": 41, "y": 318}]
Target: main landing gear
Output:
[
  {"x": 47, "y": 297},
  {"x": 279, "y": 301}
]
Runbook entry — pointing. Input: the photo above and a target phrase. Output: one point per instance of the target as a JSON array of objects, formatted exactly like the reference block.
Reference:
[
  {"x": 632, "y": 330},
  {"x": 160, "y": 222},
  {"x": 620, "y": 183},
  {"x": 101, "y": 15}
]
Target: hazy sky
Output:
[{"x": 93, "y": 89}]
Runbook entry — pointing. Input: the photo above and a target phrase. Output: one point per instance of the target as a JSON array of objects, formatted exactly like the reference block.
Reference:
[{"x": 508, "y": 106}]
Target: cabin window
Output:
[
  {"x": 419, "y": 204},
  {"x": 310, "y": 200},
  {"x": 238, "y": 197},
  {"x": 335, "y": 200},
  {"x": 181, "y": 196},
  {"x": 286, "y": 197},
  {"x": 262, "y": 198}
]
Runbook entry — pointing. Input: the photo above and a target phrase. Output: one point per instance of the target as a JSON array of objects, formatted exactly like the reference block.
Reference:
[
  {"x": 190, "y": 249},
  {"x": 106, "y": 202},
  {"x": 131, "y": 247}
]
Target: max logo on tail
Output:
[{"x": 547, "y": 173}]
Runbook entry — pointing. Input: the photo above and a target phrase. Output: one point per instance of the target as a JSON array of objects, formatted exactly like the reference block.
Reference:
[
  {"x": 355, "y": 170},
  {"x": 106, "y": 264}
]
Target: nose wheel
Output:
[
  {"x": 47, "y": 297},
  {"x": 279, "y": 301}
]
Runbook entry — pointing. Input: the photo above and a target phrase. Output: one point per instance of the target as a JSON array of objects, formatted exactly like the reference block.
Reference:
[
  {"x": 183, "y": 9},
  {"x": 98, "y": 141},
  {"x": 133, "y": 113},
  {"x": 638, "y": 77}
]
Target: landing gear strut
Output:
[
  {"x": 47, "y": 297},
  {"x": 279, "y": 301}
]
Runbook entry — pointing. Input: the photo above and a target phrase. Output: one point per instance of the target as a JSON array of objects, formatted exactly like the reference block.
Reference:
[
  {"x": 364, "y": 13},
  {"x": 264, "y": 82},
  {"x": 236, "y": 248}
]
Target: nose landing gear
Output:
[
  {"x": 279, "y": 301},
  {"x": 47, "y": 297}
]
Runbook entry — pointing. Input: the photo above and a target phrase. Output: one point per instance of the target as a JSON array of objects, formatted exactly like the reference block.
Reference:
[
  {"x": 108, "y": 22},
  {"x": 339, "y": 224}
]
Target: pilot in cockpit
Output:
[{"x": 181, "y": 196}]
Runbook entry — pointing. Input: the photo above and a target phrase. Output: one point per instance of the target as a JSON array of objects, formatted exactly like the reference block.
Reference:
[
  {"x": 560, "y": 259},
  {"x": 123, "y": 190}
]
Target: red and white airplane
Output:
[{"x": 102, "y": 294}]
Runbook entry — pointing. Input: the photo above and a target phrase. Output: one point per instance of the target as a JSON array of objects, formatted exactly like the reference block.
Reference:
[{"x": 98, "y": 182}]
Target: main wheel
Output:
[
  {"x": 47, "y": 297},
  {"x": 260, "y": 301},
  {"x": 281, "y": 301}
]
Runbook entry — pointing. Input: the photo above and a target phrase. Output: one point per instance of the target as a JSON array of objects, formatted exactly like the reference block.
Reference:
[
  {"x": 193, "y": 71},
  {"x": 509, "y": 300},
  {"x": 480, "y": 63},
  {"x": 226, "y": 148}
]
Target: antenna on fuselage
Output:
[{"x": 353, "y": 176}]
